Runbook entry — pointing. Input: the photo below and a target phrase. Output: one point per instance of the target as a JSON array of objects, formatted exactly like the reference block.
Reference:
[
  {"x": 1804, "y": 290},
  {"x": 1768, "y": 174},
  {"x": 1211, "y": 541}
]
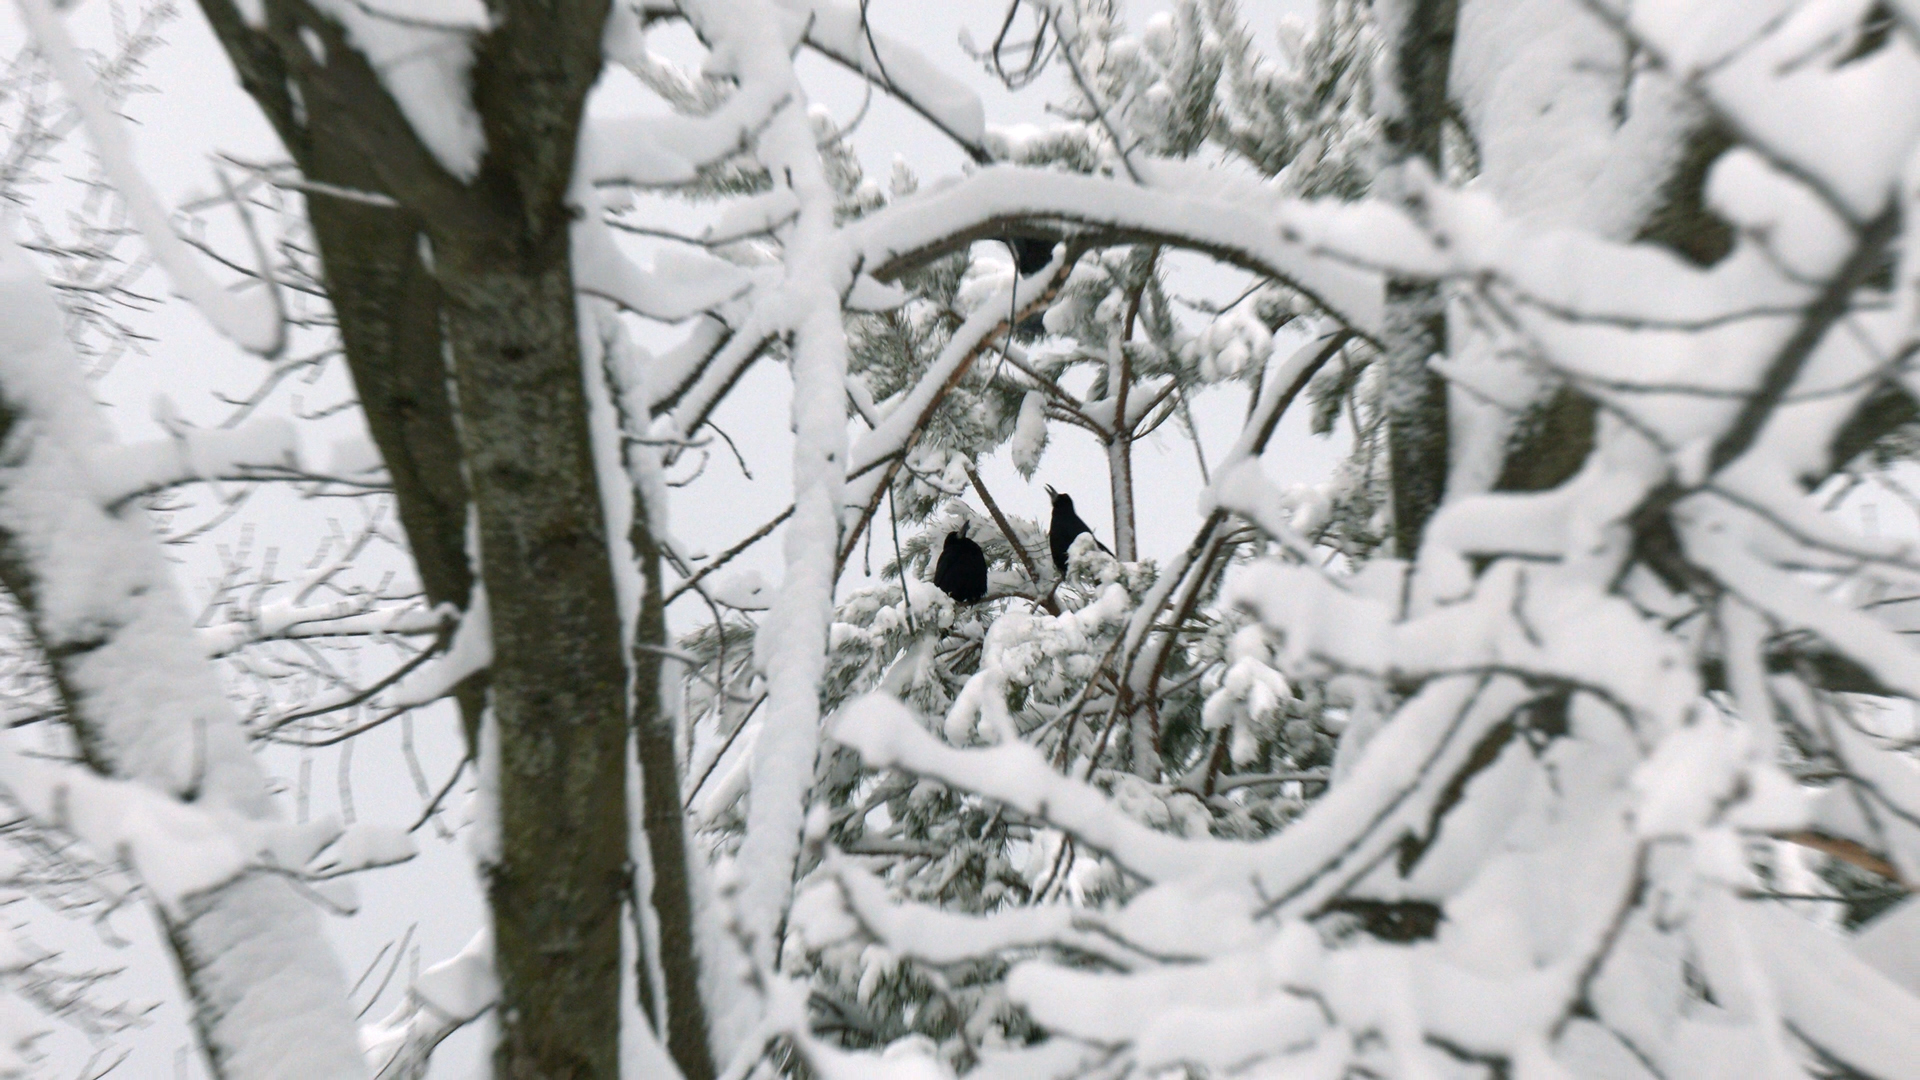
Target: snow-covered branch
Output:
[{"x": 147, "y": 705}]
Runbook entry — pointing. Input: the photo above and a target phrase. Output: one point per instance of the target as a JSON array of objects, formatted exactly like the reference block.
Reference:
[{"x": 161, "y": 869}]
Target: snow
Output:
[
  {"x": 470, "y": 651},
  {"x": 1030, "y": 433},
  {"x": 176, "y": 850},
  {"x": 1891, "y": 945},
  {"x": 1225, "y": 224},
  {"x": 346, "y": 616},
  {"x": 462, "y": 985},
  {"x": 122, "y": 472},
  {"x": 753, "y": 41},
  {"x": 441, "y": 999},
  {"x": 905, "y": 415},
  {"x": 681, "y": 284},
  {"x": 1800, "y": 113},
  {"x": 646, "y": 151},
  {"x": 836, "y": 30},
  {"x": 1529, "y": 742},
  {"x": 483, "y": 803},
  {"x": 159, "y": 724},
  {"x": 424, "y": 58},
  {"x": 1841, "y": 1004},
  {"x": 885, "y": 734},
  {"x": 851, "y": 901}
]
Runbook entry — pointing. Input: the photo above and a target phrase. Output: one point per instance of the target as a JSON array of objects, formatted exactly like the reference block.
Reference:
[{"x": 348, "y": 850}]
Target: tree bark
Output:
[
  {"x": 559, "y": 682},
  {"x": 387, "y": 305},
  {"x": 665, "y": 823},
  {"x": 389, "y": 310},
  {"x": 501, "y": 293},
  {"x": 1421, "y": 49}
]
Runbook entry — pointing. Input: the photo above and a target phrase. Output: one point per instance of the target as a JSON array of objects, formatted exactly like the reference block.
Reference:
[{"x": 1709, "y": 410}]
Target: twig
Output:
[
  {"x": 726, "y": 746},
  {"x": 1848, "y": 851},
  {"x": 727, "y": 556},
  {"x": 433, "y": 807},
  {"x": 1006, "y": 530},
  {"x": 900, "y": 561}
]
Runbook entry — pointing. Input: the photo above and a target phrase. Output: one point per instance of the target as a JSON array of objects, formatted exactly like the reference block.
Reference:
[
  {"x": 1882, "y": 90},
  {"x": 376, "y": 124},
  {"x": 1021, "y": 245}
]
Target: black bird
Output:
[
  {"x": 1066, "y": 526},
  {"x": 962, "y": 570},
  {"x": 1031, "y": 254}
]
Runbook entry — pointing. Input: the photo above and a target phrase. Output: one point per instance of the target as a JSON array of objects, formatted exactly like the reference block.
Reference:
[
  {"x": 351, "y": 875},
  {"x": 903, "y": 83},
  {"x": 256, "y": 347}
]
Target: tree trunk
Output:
[
  {"x": 559, "y": 682},
  {"x": 505, "y": 297},
  {"x": 1416, "y": 405},
  {"x": 1420, "y": 44},
  {"x": 1120, "y": 479},
  {"x": 388, "y": 307}
]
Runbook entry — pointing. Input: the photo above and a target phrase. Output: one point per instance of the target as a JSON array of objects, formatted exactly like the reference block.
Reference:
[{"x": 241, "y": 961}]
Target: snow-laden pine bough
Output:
[{"x": 1617, "y": 708}]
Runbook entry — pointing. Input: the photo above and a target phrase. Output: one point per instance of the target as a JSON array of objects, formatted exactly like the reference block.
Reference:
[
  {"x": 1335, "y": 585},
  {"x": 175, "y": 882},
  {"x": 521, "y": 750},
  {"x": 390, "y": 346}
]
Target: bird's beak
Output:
[{"x": 1051, "y": 494}]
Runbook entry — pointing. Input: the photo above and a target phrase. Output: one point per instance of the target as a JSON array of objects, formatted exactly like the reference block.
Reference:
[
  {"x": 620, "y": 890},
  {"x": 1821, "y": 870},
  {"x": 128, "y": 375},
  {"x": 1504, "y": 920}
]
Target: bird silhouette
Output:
[
  {"x": 1065, "y": 527},
  {"x": 1031, "y": 254},
  {"x": 962, "y": 570}
]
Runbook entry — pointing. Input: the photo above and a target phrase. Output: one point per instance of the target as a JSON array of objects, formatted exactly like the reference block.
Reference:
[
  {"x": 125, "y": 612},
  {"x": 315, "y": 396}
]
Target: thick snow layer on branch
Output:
[
  {"x": 753, "y": 41},
  {"x": 136, "y": 681},
  {"x": 682, "y": 283},
  {"x": 1891, "y": 944},
  {"x": 839, "y": 31},
  {"x": 176, "y": 849},
  {"x": 121, "y": 472},
  {"x": 1835, "y": 1000},
  {"x": 886, "y": 735},
  {"x": 852, "y": 900},
  {"x": 1516, "y": 621},
  {"x": 470, "y": 651},
  {"x": 442, "y": 999},
  {"x": 1714, "y": 541},
  {"x": 1567, "y": 133},
  {"x": 650, "y": 151},
  {"x": 20, "y": 1029},
  {"x": 1782, "y": 96},
  {"x": 1218, "y": 1014},
  {"x": 1890, "y": 778},
  {"x": 351, "y": 616},
  {"x": 1252, "y": 234}
]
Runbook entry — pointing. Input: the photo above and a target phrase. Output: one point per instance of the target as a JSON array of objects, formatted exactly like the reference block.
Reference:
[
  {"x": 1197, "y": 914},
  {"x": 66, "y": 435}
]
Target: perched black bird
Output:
[
  {"x": 1066, "y": 526},
  {"x": 1031, "y": 253},
  {"x": 962, "y": 570}
]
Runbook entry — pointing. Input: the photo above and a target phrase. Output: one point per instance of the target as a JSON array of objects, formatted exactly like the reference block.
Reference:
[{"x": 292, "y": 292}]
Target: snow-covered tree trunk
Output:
[
  {"x": 269, "y": 1000},
  {"x": 496, "y": 243}
]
